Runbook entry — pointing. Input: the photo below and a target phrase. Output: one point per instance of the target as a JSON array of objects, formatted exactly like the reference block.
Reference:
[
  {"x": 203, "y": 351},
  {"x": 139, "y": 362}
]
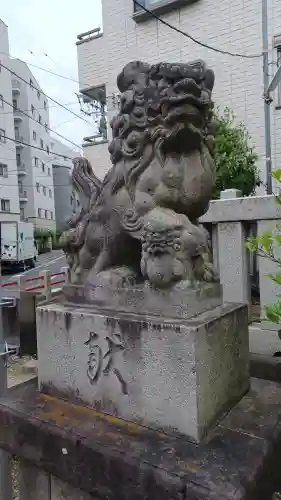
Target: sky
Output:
[{"x": 44, "y": 32}]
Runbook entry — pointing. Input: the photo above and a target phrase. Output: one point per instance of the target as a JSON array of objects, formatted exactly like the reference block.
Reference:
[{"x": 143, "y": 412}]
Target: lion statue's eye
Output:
[{"x": 177, "y": 245}]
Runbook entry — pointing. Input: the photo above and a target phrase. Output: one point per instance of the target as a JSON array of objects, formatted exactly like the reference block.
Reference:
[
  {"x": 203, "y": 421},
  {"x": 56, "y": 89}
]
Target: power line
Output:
[
  {"x": 37, "y": 109},
  {"x": 41, "y": 124},
  {"x": 52, "y": 73},
  {"x": 36, "y": 147},
  {"x": 46, "y": 162},
  {"x": 46, "y": 95},
  {"x": 202, "y": 44}
]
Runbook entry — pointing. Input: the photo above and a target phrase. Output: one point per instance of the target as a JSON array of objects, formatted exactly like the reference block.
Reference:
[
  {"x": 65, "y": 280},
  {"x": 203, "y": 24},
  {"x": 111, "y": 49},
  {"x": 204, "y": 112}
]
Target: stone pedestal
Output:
[
  {"x": 72, "y": 452},
  {"x": 174, "y": 375}
]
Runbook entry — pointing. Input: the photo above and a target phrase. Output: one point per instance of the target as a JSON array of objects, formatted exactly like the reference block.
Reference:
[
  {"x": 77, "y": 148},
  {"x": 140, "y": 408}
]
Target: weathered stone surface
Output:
[
  {"x": 181, "y": 301},
  {"x": 174, "y": 375},
  {"x": 34, "y": 482},
  {"x": 140, "y": 223},
  {"x": 111, "y": 458},
  {"x": 63, "y": 491}
]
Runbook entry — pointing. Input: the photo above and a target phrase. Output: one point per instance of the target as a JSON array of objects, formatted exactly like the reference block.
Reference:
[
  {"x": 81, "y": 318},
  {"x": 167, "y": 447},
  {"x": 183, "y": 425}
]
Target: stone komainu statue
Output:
[{"x": 140, "y": 223}]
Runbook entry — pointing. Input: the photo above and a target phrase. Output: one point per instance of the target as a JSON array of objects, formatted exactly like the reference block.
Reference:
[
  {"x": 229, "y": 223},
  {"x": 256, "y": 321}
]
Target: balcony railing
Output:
[
  {"x": 22, "y": 194},
  {"x": 93, "y": 140},
  {"x": 17, "y": 114},
  {"x": 19, "y": 140},
  {"x": 16, "y": 86},
  {"x": 89, "y": 35},
  {"x": 21, "y": 169}
]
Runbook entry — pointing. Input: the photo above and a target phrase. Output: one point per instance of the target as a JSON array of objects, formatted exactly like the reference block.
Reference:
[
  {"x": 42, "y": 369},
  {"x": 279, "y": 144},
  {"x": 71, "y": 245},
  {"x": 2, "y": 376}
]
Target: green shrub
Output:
[{"x": 235, "y": 158}]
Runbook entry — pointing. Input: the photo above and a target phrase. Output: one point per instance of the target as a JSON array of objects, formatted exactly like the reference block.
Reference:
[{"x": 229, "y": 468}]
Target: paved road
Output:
[{"x": 52, "y": 261}]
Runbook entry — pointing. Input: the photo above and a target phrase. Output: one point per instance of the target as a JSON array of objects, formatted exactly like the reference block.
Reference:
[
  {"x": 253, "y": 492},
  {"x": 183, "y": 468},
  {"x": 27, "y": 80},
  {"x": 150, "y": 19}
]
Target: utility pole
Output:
[{"x": 267, "y": 124}]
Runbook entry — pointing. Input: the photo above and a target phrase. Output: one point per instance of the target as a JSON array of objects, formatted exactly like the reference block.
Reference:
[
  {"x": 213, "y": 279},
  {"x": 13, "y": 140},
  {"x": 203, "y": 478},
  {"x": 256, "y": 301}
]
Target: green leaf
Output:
[
  {"x": 278, "y": 199},
  {"x": 266, "y": 240},
  {"x": 276, "y": 174},
  {"x": 275, "y": 277},
  {"x": 273, "y": 312}
]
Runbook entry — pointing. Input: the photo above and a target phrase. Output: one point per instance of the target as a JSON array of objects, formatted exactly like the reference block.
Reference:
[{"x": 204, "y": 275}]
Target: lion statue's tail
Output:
[{"x": 88, "y": 187}]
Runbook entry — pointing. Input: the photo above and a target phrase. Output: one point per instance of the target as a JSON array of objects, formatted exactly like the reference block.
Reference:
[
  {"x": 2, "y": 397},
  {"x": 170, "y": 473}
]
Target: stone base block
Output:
[
  {"x": 83, "y": 454},
  {"x": 172, "y": 375}
]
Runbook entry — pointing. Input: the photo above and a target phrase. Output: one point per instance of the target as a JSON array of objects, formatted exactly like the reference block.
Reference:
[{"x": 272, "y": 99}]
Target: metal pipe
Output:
[{"x": 267, "y": 124}]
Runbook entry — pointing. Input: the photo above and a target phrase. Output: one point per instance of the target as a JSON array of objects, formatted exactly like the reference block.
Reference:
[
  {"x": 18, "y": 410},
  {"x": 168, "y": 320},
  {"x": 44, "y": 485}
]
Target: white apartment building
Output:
[
  {"x": 35, "y": 175},
  {"x": 233, "y": 25},
  {"x": 9, "y": 195},
  {"x": 66, "y": 198}
]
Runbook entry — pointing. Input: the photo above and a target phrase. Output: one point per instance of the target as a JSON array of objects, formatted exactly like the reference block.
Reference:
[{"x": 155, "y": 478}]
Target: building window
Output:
[
  {"x": 51, "y": 214},
  {"x": 34, "y": 135},
  {"x": 44, "y": 190},
  {"x": 49, "y": 171},
  {"x": 41, "y": 143},
  {"x": 45, "y": 105},
  {"x": 50, "y": 193},
  {"x": 2, "y": 135},
  {"x": 37, "y": 187},
  {"x": 43, "y": 167},
  {"x": 39, "y": 212},
  {"x": 1, "y": 101},
  {"x": 15, "y": 104},
  {"x": 35, "y": 162},
  {"x": 3, "y": 170},
  {"x": 145, "y": 3},
  {"x": 40, "y": 119},
  {"x": 158, "y": 6},
  {"x": 32, "y": 109},
  {"x": 46, "y": 214},
  {"x": 31, "y": 84},
  {"x": 5, "y": 206},
  {"x": 18, "y": 160},
  {"x": 48, "y": 149},
  {"x": 38, "y": 94},
  {"x": 46, "y": 127},
  {"x": 22, "y": 217}
]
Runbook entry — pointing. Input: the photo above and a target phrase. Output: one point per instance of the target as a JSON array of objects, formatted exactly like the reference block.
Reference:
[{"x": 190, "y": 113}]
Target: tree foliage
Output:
[{"x": 235, "y": 158}]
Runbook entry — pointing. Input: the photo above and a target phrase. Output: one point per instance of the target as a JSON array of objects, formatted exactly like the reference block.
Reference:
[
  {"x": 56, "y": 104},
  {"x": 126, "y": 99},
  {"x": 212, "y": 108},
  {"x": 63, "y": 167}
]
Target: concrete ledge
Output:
[
  {"x": 112, "y": 458},
  {"x": 263, "y": 341},
  {"x": 266, "y": 367},
  {"x": 242, "y": 209}
]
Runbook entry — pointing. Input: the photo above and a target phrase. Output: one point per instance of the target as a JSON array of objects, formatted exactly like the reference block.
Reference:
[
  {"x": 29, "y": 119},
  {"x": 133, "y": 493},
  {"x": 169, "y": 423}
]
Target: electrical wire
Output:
[
  {"x": 36, "y": 147},
  {"x": 53, "y": 73},
  {"x": 46, "y": 95},
  {"x": 37, "y": 109},
  {"x": 41, "y": 124},
  {"x": 198, "y": 42}
]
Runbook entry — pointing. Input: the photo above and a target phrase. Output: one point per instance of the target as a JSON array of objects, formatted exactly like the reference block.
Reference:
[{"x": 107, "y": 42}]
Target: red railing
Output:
[{"x": 45, "y": 287}]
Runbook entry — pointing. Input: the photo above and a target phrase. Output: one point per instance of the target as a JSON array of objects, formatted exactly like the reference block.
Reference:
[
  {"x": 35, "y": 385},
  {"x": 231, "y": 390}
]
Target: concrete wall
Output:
[
  {"x": 8, "y": 185},
  {"x": 41, "y": 174},
  {"x": 233, "y": 25}
]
